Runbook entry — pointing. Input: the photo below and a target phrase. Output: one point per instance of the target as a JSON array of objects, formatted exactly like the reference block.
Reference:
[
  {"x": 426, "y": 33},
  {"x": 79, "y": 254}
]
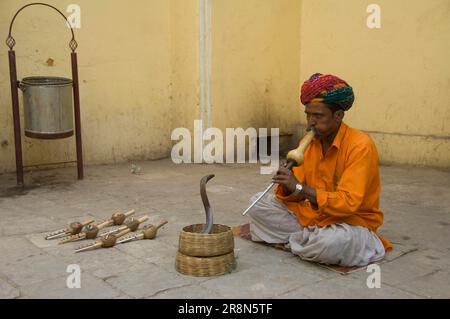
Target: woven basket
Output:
[
  {"x": 193, "y": 243},
  {"x": 204, "y": 266}
]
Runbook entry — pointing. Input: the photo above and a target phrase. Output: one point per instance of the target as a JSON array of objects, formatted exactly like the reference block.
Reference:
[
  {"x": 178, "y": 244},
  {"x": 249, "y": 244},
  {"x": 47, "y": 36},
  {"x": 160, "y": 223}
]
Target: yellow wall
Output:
[
  {"x": 140, "y": 79},
  {"x": 255, "y": 63},
  {"x": 184, "y": 26},
  {"x": 125, "y": 74},
  {"x": 400, "y": 73}
]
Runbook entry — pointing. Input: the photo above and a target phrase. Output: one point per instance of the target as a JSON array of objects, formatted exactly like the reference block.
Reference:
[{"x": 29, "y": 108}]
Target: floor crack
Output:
[{"x": 168, "y": 289}]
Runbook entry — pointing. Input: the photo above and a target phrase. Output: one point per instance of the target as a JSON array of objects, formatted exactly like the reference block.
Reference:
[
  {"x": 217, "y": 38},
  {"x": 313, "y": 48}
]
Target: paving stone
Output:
[
  {"x": 150, "y": 251},
  {"x": 429, "y": 257},
  {"x": 23, "y": 226},
  {"x": 249, "y": 255},
  {"x": 294, "y": 294},
  {"x": 188, "y": 292},
  {"x": 14, "y": 249},
  {"x": 33, "y": 203},
  {"x": 432, "y": 285},
  {"x": 101, "y": 262},
  {"x": 262, "y": 281},
  {"x": 33, "y": 269},
  {"x": 10, "y": 210},
  {"x": 405, "y": 269},
  {"x": 56, "y": 288},
  {"x": 39, "y": 240},
  {"x": 63, "y": 214},
  {"x": 352, "y": 287},
  {"x": 149, "y": 281},
  {"x": 8, "y": 291}
]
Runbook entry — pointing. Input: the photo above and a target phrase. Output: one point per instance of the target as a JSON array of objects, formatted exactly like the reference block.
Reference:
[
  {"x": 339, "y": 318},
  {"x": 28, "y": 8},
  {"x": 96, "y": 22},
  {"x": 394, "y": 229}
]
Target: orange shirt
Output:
[{"x": 347, "y": 183}]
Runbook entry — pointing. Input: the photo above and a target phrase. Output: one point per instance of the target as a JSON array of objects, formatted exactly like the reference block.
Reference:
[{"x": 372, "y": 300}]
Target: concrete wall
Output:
[
  {"x": 139, "y": 71},
  {"x": 255, "y": 68},
  {"x": 185, "y": 69},
  {"x": 400, "y": 72},
  {"x": 139, "y": 66},
  {"x": 254, "y": 63}
]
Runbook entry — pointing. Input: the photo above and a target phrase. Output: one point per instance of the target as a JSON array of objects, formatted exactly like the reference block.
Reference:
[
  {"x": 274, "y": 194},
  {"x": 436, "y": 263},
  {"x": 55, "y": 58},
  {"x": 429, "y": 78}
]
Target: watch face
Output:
[{"x": 298, "y": 187}]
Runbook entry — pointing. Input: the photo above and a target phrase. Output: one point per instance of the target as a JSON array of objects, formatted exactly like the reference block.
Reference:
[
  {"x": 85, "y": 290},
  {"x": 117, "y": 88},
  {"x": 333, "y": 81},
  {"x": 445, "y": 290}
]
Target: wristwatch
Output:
[{"x": 298, "y": 189}]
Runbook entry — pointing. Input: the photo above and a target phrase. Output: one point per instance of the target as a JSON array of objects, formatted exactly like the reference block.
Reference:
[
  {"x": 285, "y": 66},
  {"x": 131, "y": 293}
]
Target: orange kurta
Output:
[{"x": 347, "y": 183}]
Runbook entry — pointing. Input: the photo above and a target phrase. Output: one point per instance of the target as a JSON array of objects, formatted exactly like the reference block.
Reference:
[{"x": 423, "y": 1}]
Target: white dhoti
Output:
[{"x": 336, "y": 244}]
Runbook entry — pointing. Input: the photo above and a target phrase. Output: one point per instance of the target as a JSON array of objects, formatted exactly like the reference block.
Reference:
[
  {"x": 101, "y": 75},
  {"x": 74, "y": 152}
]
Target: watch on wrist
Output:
[{"x": 298, "y": 189}]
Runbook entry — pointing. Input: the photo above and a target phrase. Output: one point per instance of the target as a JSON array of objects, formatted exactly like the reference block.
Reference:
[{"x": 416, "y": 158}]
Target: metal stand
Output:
[{"x": 10, "y": 42}]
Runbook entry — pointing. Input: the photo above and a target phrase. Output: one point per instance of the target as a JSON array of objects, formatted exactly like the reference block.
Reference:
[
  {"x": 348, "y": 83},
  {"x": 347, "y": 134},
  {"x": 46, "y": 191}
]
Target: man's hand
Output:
[{"x": 285, "y": 177}]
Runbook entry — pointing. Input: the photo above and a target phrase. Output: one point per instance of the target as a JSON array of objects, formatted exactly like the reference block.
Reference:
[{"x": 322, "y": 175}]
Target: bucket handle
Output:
[{"x": 10, "y": 42}]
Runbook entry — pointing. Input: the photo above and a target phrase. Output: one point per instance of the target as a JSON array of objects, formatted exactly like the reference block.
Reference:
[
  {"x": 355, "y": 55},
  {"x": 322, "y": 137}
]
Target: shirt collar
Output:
[{"x": 340, "y": 135}]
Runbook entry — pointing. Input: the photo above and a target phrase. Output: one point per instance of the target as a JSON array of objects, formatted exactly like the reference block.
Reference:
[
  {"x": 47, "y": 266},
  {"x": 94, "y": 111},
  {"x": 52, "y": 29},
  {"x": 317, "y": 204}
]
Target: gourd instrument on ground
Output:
[
  {"x": 91, "y": 231},
  {"x": 148, "y": 232},
  {"x": 109, "y": 240},
  {"x": 73, "y": 229}
]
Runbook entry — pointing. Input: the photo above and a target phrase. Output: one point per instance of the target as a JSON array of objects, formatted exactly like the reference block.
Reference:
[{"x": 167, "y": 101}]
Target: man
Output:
[{"x": 327, "y": 209}]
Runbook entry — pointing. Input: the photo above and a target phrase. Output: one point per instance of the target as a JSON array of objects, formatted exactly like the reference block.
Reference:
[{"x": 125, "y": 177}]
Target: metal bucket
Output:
[{"x": 48, "y": 107}]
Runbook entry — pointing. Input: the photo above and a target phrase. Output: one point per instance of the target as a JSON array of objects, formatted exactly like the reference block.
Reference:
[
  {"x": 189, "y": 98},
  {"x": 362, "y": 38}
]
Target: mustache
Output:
[{"x": 311, "y": 128}]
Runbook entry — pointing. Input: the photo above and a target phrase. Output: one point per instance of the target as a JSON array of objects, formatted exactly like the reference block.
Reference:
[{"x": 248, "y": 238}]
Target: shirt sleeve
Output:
[
  {"x": 353, "y": 185},
  {"x": 299, "y": 174}
]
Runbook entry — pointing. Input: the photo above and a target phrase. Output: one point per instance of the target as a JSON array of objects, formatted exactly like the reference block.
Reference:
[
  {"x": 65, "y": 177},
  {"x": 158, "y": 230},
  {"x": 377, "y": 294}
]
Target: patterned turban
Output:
[{"x": 328, "y": 89}]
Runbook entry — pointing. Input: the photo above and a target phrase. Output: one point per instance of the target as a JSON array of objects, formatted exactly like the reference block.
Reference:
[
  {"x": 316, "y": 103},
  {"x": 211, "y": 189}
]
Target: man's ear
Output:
[{"x": 339, "y": 115}]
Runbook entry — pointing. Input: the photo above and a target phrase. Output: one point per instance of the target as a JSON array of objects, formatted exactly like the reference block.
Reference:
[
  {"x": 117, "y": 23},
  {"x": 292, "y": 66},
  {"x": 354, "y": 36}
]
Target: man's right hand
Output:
[{"x": 285, "y": 177}]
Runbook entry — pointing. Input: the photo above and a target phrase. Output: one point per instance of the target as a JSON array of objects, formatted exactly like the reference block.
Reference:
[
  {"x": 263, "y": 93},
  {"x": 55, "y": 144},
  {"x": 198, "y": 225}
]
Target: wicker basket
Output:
[
  {"x": 205, "y": 266},
  {"x": 193, "y": 243},
  {"x": 204, "y": 255}
]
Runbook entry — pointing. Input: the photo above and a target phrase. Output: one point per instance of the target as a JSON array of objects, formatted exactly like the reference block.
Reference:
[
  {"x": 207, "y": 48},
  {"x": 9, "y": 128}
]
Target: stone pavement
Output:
[{"x": 415, "y": 201}]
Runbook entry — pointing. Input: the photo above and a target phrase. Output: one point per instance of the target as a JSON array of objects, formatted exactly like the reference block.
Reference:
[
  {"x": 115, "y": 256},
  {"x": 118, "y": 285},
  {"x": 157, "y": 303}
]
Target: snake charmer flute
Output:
[
  {"x": 109, "y": 240},
  {"x": 295, "y": 157},
  {"x": 91, "y": 231}
]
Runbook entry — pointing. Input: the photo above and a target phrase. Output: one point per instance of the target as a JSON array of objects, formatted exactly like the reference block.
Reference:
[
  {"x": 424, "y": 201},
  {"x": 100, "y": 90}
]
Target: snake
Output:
[{"x": 207, "y": 229}]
